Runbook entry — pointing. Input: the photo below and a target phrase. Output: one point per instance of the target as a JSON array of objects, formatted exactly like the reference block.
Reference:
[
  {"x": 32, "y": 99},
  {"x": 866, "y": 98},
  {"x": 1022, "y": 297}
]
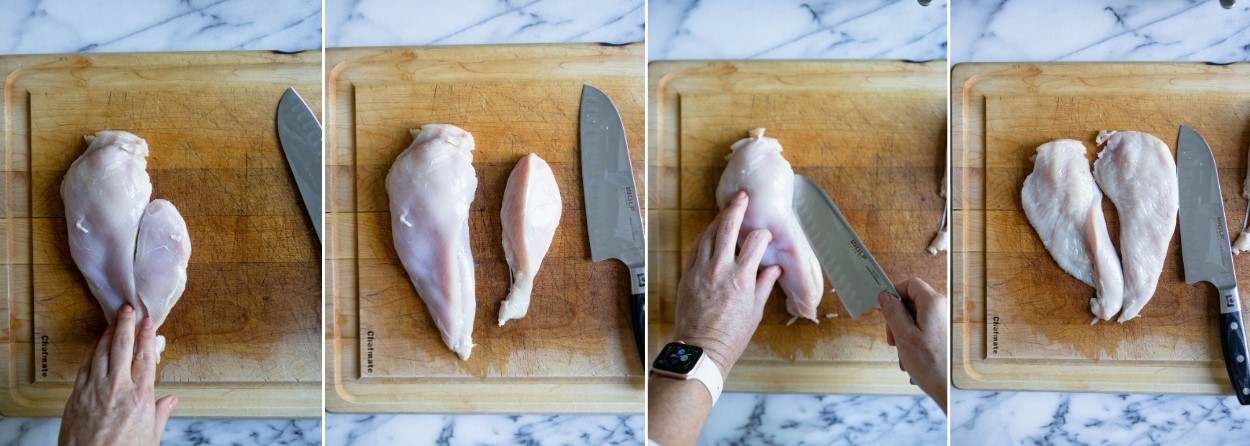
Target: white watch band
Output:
[{"x": 708, "y": 373}]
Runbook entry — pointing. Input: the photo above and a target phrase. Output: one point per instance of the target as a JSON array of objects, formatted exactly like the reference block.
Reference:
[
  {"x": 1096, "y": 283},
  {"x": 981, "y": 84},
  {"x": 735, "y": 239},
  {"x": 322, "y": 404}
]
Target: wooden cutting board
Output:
[
  {"x": 1021, "y": 323},
  {"x": 243, "y": 340},
  {"x": 872, "y": 134},
  {"x": 574, "y": 350}
]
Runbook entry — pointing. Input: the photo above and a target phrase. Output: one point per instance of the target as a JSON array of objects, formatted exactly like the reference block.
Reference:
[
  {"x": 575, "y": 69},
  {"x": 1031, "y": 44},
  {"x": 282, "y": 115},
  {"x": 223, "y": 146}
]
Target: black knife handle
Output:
[
  {"x": 638, "y": 314},
  {"x": 1233, "y": 335}
]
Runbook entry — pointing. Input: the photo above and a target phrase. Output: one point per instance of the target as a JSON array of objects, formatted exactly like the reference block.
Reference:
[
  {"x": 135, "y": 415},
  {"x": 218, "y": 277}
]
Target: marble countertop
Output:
[
  {"x": 77, "y": 26},
  {"x": 795, "y": 29},
  {"x": 792, "y": 29},
  {"x": 356, "y": 23},
  {"x": 1107, "y": 30}
]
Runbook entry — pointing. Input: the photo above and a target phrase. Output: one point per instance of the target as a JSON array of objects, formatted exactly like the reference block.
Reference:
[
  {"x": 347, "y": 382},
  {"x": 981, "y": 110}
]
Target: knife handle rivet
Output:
[
  {"x": 1234, "y": 326},
  {"x": 1245, "y": 391},
  {"x": 1241, "y": 358}
]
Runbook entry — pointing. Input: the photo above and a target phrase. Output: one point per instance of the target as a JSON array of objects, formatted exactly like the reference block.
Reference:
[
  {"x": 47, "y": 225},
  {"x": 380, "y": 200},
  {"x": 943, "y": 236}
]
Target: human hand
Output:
[
  {"x": 112, "y": 399},
  {"x": 922, "y": 340},
  {"x": 721, "y": 298}
]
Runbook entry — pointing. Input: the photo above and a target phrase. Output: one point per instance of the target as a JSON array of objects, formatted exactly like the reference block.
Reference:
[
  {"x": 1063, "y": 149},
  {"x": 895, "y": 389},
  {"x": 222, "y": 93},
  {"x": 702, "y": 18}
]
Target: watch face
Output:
[{"x": 678, "y": 358}]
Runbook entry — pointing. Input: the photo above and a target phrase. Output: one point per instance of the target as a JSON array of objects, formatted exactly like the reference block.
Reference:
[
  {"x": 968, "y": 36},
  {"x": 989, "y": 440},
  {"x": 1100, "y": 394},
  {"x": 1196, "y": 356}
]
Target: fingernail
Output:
[
  {"x": 883, "y": 299},
  {"x": 741, "y": 195},
  {"x": 147, "y": 322},
  {"x": 127, "y": 308},
  {"x": 173, "y": 403}
]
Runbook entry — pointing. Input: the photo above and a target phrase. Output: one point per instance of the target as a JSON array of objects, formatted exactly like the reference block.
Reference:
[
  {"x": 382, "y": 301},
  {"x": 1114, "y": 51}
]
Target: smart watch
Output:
[{"x": 683, "y": 361}]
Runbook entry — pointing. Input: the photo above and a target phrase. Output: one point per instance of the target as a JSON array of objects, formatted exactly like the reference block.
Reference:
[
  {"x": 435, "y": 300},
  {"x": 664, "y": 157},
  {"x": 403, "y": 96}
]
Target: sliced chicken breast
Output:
[
  {"x": 105, "y": 192},
  {"x": 757, "y": 167},
  {"x": 1063, "y": 204},
  {"x": 431, "y": 185},
  {"x": 1138, "y": 173},
  {"x": 1243, "y": 240},
  {"x": 161, "y": 256},
  {"x": 530, "y": 214}
]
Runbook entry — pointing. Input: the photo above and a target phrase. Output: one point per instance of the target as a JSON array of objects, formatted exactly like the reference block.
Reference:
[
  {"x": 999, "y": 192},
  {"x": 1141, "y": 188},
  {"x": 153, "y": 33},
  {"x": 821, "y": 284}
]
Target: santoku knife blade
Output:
[
  {"x": 855, "y": 274},
  {"x": 1205, "y": 249},
  {"x": 613, "y": 218},
  {"x": 300, "y": 135}
]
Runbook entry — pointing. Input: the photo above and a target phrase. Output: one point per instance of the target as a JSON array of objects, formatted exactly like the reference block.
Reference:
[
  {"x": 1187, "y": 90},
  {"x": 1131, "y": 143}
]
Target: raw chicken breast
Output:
[
  {"x": 530, "y": 214},
  {"x": 431, "y": 185},
  {"x": 129, "y": 250},
  {"x": 1243, "y": 240},
  {"x": 1138, "y": 173},
  {"x": 161, "y": 255},
  {"x": 756, "y": 166},
  {"x": 1064, "y": 205},
  {"x": 105, "y": 192}
]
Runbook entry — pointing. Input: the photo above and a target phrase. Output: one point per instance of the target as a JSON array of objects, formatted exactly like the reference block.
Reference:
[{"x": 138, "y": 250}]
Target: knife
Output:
[
  {"x": 1205, "y": 251},
  {"x": 300, "y": 135},
  {"x": 613, "y": 219},
  {"x": 854, "y": 272}
]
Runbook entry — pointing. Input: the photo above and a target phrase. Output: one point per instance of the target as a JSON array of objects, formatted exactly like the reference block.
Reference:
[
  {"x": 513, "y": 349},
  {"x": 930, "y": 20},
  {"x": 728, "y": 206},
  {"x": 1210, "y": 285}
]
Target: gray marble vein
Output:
[
  {"x": 538, "y": 430},
  {"x": 76, "y": 26},
  {"x": 796, "y": 29},
  {"x": 1027, "y": 418},
  {"x": 1078, "y": 30},
  {"x": 43, "y": 431},
  {"x": 775, "y": 419},
  {"x": 354, "y": 23}
]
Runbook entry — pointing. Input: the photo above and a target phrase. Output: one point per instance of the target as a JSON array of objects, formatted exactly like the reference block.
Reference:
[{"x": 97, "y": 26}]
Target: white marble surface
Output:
[
  {"x": 75, "y": 26},
  {"x": 1104, "y": 30},
  {"x": 538, "y": 430},
  {"x": 354, "y": 23},
  {"x": 743, "y": 418},
  {"x": 796, "y": 29},
  {"x": 1020, "y": 418},
  {"x": 791, "y": 29},
  {"x": 1082, "y": 30}
]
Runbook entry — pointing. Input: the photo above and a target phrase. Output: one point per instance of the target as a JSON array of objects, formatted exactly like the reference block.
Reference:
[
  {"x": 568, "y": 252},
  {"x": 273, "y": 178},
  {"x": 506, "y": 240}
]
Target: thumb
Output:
[
  {"x": 164, "y": 407},
  {"x": 764, "y": 284},
  {"x": 897, "y": 320}
]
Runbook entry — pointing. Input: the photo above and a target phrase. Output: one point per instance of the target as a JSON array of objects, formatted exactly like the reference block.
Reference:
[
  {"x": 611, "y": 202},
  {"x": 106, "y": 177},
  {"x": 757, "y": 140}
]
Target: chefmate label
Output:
[
  {"x": 370, "y": 337},
  {"x": 995, "y": 323},
  {"x": 44, "y": 341}
]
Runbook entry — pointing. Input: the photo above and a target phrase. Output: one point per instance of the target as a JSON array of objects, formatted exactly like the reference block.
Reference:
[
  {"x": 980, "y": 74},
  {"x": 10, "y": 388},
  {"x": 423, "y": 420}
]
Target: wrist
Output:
[{"x": 713, "y": 350}]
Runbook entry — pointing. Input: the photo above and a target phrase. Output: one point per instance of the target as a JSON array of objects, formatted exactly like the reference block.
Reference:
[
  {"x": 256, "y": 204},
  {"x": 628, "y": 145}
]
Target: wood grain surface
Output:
[
  {"x": 1021, "y": 323},
  {"x": 872, "y": 134},
  {"x": 249, "y": 317},
  {"x": 573, "y": 351}
]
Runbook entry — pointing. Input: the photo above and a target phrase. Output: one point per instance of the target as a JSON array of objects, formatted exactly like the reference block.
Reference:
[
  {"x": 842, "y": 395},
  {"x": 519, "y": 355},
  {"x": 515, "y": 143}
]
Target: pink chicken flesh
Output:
[
  {"x": 128, "y": 249},
  {"x": 1138, "y": 173},
  {"x": 1064, "y": 205},
  {"x": 530, "y": 214},
  {"x": 757, "y": 167},
  {"x": 431, "y": 185},
  {"x": 161, "y": 256}
]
